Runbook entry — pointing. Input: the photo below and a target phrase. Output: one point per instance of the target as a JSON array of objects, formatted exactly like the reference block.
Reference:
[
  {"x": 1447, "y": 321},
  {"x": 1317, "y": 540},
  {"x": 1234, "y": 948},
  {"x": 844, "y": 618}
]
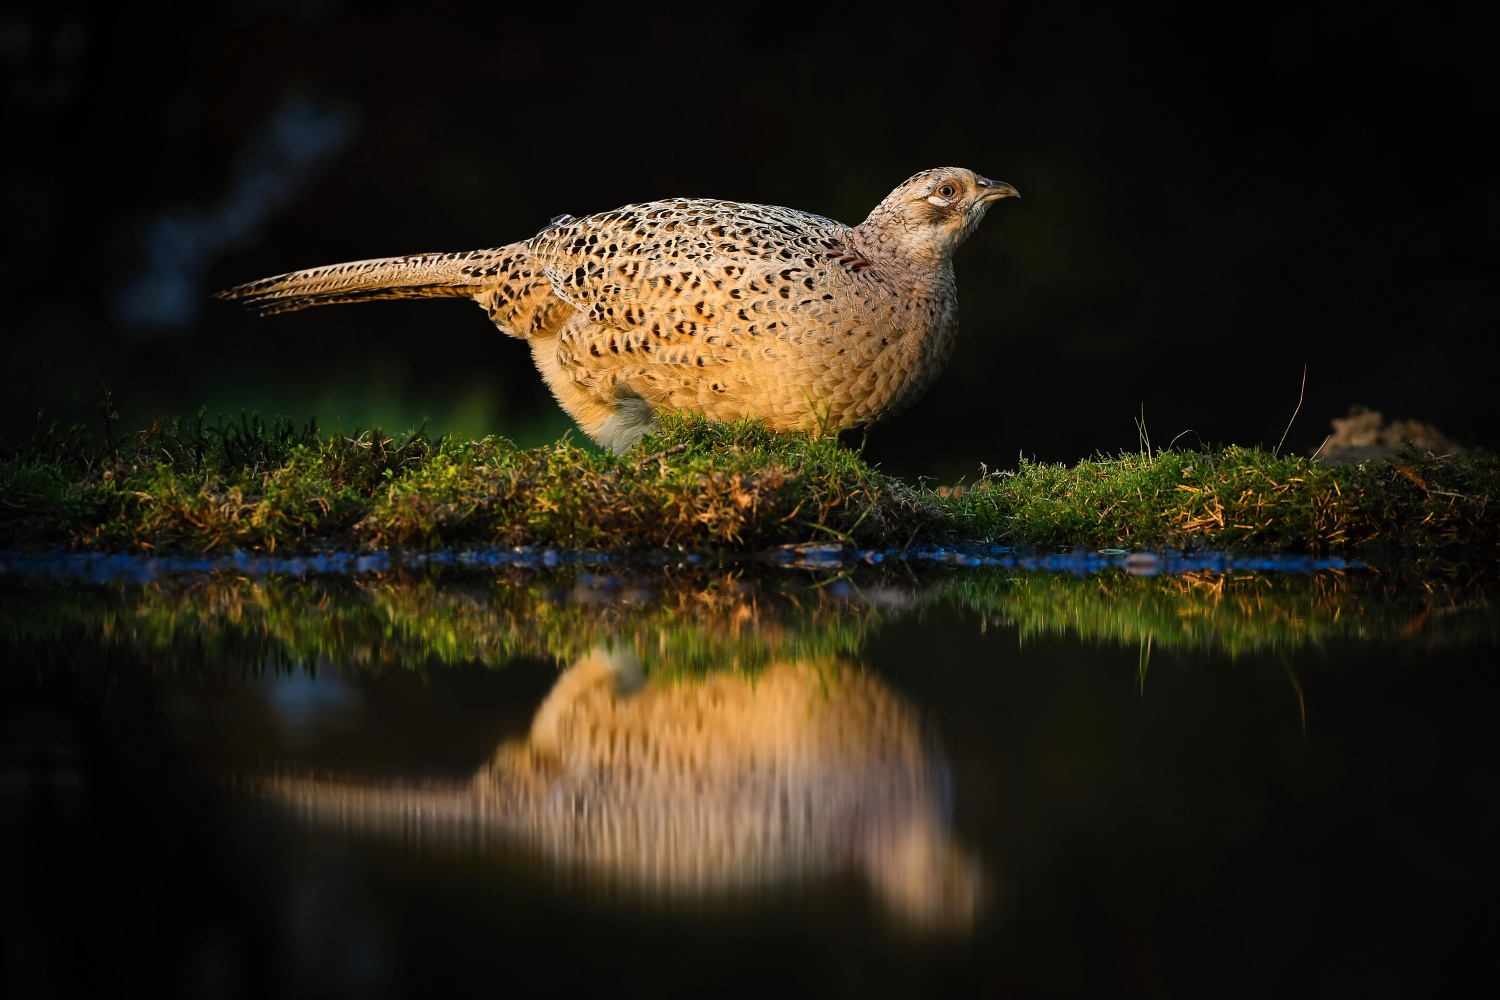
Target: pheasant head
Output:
[{"x": 929, "y": 216}]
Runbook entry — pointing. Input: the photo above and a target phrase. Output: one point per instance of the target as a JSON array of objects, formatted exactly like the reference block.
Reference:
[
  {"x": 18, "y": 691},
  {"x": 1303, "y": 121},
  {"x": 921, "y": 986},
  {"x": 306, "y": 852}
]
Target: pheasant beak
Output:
[{"x": 994, "y": 190}]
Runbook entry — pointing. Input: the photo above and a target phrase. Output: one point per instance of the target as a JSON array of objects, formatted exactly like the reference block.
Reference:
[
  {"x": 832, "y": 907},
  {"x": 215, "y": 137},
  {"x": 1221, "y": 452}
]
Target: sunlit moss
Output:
[
  {"x": 267, "y": 487},
  {"x": 274, "y": 487},
  {"x": 1245, "y": 498}
]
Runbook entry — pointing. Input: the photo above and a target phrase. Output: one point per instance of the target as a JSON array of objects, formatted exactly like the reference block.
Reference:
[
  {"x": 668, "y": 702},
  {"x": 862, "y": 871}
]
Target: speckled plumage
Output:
[{"x": 712, "y": 307}]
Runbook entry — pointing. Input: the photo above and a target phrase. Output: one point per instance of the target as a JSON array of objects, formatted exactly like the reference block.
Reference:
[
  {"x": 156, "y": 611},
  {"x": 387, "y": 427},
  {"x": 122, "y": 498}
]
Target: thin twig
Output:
[
  {"x": 1294, "y": 412},
  {"x": 674, "y": 450},
  {"x": 913, "y": 538},
  {"x": 844, "y": 575},
  {"x": 1301, "y": 701},
  {"x": 1179, "y": 437},
  {"x": 841, "y": 536}
]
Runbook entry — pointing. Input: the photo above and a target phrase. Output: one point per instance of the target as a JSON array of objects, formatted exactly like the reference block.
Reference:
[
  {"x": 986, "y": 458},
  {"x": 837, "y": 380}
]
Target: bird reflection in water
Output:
[{"x": 685, "y": 789}]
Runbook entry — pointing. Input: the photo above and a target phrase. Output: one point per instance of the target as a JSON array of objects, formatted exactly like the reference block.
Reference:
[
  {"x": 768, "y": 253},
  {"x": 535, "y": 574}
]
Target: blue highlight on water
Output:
[
  {"x": 1082, "y": 562},
  {"x": 98, "y": 567}
]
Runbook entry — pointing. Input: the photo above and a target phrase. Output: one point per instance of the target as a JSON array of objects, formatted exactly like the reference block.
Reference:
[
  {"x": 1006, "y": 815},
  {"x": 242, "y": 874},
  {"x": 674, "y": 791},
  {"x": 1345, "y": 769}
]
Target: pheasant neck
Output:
[{"x": 914, "y": 266}]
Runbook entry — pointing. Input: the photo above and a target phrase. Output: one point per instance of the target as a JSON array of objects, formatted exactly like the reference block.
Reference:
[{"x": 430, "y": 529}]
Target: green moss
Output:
[
  {"x": 257, "y": 486},
  {"x": 1237, "y": 498},
  {"x": 269, "y": 487}
]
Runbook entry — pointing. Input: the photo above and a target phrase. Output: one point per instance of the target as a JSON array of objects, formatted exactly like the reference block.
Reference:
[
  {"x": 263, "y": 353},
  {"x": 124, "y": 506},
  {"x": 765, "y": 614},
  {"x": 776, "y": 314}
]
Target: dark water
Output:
[{"x": 850, "y": 780}]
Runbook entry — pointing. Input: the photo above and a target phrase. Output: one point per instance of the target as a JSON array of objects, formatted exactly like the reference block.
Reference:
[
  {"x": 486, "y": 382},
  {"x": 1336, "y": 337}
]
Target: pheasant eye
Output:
[{"x": 945, "y": 194}]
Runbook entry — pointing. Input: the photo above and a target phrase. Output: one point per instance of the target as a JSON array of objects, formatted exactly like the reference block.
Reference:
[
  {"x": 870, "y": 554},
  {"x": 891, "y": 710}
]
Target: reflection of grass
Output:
[
  {"x": 715, "y": 621},
  {"x": 267, "y": 487},
  {"x": 683, "y": 625},
  {"x": 1233, "y": 613}
]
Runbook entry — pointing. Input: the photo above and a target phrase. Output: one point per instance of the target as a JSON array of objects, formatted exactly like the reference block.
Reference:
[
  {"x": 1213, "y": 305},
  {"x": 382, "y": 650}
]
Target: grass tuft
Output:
[{"x": 1235, "y": 498}]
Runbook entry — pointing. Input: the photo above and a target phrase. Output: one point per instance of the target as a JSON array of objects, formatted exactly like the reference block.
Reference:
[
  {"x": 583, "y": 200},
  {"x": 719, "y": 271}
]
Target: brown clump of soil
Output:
[{"x": 1362, "y": 436}]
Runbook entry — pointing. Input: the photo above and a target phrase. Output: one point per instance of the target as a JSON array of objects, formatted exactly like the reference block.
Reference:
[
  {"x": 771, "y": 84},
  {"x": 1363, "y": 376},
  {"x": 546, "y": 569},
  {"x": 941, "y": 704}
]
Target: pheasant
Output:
[{"x": 711, "y": 307}]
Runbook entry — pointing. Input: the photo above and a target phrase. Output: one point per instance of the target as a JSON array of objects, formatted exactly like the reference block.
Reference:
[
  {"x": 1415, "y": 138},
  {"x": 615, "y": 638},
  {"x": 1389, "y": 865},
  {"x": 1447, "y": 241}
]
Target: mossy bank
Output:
[{"x": 252, "y": 485}]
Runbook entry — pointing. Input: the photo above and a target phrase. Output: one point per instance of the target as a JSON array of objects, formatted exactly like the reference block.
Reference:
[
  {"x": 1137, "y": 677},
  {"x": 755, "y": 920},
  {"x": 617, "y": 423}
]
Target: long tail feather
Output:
[{"x": 431, "y": 275}]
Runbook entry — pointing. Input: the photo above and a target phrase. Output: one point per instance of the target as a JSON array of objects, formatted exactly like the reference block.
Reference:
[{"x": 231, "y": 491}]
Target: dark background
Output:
[{"x": 1211, "y": 201}]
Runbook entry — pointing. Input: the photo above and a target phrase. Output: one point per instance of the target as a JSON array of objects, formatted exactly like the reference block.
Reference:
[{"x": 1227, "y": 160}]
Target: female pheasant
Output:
[{"x": 711, "y": 307}]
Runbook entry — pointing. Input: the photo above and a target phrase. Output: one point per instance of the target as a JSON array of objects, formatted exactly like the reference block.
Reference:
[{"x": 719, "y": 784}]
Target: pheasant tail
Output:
[{"x": 422, "y": 276}]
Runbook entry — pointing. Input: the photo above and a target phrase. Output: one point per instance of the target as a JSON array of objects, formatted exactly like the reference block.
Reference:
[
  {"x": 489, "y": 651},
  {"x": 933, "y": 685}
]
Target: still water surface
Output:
[{"x": 430, "y": 780}]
